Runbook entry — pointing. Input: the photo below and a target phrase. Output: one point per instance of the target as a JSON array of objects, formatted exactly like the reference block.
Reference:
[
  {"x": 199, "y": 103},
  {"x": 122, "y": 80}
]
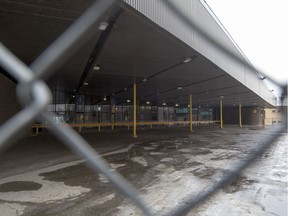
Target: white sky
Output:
[{"x": 260, "y": 28}]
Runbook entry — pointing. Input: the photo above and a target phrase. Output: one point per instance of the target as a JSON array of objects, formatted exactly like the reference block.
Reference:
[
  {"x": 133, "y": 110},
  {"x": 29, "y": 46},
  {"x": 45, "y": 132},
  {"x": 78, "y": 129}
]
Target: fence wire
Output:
[{"x": 34, "y": 94}]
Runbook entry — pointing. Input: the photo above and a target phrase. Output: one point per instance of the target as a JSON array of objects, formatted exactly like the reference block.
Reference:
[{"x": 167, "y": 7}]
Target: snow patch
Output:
[
  {"x": 103, "y": 199},
  {"x": 156, "y": 153},
  {"x": 115, "y": 166},
  {"x": 185, "y": 150},
  {"x": 12, "y": 209},
  {"x": 166, "y": 159},
  {"x": 103, "y": 179},
  {"x": 148, "y": 148},
  {"x": 140, "y": 160}
]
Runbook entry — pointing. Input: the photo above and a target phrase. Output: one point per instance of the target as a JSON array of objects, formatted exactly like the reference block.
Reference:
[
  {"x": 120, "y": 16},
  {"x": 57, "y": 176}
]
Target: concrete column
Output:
[
  {"x": 221, "y": 112},
  {"x": 240, "y": 115},
  {"x": 191, "y": 129},
  {"x": 134, "y": 112}
]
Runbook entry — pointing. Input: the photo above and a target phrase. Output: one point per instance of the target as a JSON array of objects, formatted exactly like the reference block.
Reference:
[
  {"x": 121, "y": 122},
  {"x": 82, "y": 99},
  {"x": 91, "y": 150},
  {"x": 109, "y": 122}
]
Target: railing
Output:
[{"x": 80, "y": 126}]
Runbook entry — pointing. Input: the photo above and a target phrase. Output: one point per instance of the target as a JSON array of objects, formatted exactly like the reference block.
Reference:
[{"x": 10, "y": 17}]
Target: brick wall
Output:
[{"x": 8, "y": 102}]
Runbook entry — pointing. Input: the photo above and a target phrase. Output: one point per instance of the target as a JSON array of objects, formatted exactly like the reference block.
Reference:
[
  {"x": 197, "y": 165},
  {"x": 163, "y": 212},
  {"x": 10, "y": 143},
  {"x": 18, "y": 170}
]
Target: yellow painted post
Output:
[
  {"x": 240, "y": 116},
  {"x": 37, "y": 130},
  {"x": 134, "y": 112},
  {"x": 191, "y": 129},
  {"x": 221, "y": 112}
]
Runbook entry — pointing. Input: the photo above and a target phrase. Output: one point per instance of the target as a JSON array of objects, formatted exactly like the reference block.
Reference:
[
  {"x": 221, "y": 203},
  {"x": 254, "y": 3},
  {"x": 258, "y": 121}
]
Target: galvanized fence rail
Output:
[{"x": 34, "y": 94}]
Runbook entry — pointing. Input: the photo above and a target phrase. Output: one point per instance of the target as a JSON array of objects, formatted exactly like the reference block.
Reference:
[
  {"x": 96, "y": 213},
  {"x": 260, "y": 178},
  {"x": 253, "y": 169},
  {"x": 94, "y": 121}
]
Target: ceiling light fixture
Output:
[
  {"x": 103, "y": 26},
  {"x": 148, "y": 102},
  {"x": 188, "y": 59},
  {"x": 104, "y": 98},
  {"x": 179, "y": 87},
  {"x": 145, "y": 79},
  {"x": 85, "y": 83},
  {"x": 176, "y": 104},
  {"x": 128, "y": 101},
  {"x": 96, "y": 67},
  {"x": 164, "y": 104}
]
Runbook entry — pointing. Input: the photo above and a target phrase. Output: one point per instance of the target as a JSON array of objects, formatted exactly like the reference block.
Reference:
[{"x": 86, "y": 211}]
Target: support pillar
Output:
[
  {"x": 134, "y": 111},
  {"x": 221, "y": 112},
  {"x": 191, "y": 129},
  {"x": 240, "y": 116}
]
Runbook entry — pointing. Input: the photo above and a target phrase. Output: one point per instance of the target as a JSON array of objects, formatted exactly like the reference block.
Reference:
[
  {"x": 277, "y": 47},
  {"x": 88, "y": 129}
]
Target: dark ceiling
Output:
[{"x": 132, "y": 48}]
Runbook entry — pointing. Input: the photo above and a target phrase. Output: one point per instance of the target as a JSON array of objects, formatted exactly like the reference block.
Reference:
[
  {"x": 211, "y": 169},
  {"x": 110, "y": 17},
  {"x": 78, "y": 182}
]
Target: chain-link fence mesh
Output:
[{"x": 35, "y": 96}]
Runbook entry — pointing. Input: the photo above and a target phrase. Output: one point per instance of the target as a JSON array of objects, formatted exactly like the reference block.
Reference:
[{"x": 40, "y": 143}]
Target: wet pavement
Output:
[{"x": 39, "y": 176}]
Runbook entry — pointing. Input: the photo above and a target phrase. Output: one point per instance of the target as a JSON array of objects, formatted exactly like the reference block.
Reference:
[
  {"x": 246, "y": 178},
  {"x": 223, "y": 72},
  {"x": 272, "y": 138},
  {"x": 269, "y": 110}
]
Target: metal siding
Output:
[{"x": 157, "y": 11}]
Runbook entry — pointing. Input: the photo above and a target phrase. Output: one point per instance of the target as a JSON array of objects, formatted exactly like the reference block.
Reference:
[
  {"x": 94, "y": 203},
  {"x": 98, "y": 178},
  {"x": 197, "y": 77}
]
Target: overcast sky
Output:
[{"x": 260, "y": 28}]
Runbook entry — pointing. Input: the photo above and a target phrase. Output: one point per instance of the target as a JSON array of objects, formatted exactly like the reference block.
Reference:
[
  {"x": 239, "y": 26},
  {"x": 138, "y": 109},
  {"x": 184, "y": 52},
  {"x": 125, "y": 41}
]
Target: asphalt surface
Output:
[{"x": 40, "y": 176}]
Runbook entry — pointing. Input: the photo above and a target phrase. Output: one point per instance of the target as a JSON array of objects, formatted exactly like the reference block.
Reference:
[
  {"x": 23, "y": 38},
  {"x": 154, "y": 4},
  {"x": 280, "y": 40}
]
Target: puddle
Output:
[{"x": 17, "y": 186}]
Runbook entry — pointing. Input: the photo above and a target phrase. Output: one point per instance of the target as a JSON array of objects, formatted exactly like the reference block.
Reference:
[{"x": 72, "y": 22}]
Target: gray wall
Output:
[
  {"x": 250, "y": 115},
  {"x": 8, "y": 102}
]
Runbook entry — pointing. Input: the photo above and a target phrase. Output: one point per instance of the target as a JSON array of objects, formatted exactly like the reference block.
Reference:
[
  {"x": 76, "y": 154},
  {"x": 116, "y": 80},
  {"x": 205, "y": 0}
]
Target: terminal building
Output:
[
  {"x": 143, "y": 43},
  {"x": 167, "y": 69}
]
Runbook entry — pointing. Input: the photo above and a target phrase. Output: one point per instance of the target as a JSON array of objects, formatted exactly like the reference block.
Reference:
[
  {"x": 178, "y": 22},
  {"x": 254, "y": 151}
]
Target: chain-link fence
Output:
[{"x": 34, "y": 94}]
